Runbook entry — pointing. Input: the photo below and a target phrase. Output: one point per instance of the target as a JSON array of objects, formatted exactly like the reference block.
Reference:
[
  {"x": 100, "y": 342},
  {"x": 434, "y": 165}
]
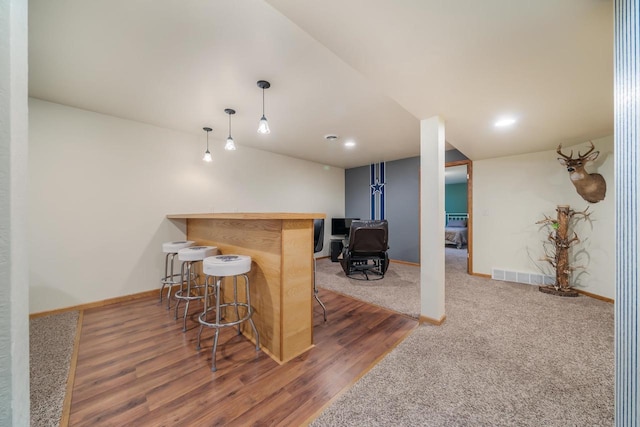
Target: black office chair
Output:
[
  {"x": 367, "y": 250},
  {"x": 318, "y": 242}
]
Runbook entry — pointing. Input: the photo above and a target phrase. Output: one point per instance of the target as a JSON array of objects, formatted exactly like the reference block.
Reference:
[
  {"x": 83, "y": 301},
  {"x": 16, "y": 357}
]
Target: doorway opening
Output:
[{"x": 459, "y": 208}]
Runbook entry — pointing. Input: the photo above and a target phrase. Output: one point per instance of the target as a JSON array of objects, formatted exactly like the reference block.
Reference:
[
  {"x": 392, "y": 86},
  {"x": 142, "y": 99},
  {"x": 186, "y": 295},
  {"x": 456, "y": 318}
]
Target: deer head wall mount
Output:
[{"x": 591, "y": 186}]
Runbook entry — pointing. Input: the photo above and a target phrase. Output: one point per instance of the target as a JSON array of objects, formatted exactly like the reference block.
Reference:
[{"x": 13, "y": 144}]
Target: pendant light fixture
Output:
[
  {"x": 230, "y": 145},
  {"x": 207, "y": 154},
  {"x": 263, "y": 127}
]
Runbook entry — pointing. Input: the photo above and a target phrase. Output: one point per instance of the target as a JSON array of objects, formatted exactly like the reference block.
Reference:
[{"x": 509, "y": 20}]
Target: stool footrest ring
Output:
[
  {"x": 204, "y": 322},
  {"x": 181, "y": 294}
]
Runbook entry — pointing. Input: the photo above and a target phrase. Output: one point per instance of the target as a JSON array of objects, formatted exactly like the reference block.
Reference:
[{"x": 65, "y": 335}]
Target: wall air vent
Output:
[{"x": 522, "y": 277}]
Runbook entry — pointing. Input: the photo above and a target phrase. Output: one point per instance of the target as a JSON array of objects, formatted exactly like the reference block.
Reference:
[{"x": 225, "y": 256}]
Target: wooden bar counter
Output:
[{"x": 281, "y": 248}]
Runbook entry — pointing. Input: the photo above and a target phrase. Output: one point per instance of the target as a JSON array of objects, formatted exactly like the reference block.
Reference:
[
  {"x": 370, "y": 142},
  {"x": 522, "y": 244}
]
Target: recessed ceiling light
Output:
[
  {"x": 350, "y": 144},
  {"x": 504, "y": 122},
  {"x": 331, "y": 137}
]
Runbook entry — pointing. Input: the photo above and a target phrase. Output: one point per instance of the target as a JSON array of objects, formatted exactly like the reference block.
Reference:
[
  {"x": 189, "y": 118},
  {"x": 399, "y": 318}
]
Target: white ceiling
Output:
[{"x": 366, "y": 70}]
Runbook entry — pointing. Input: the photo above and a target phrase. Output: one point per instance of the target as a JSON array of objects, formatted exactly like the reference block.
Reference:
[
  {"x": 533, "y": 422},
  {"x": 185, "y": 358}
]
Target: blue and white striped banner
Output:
[{"x": 377, "y": 181}]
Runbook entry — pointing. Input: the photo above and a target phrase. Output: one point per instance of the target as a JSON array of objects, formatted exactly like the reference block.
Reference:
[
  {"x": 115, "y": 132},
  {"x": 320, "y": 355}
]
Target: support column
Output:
[
  {"x": 432, "y": 220},
  {"x": 627, "y": 161},
  {"x": 14, "y": 285}
]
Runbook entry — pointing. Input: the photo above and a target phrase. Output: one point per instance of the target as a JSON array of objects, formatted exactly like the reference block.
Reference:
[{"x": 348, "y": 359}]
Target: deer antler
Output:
[
  {"x": 588, "y": 152},
  {"x": 549, "y": 260},
  {"x": 547, "y": 221},
  {"x": 574, "y": 239},
  {"x": 582, "y": 215},
  {"x": 559, "y": 151}
]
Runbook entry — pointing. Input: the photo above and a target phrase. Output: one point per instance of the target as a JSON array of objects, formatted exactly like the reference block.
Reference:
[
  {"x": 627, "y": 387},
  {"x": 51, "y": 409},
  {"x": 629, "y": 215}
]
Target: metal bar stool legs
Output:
[
  {"x": 170, "y": 278},
  {"x": 250, "y": 311},
  {"x": 318, "y": 243},
  {"x": 315, "y": 291},
  {"x": 220, "y": 267},
  {"x": 192, "y": 290},
  {"x": 186, "y": 294}
]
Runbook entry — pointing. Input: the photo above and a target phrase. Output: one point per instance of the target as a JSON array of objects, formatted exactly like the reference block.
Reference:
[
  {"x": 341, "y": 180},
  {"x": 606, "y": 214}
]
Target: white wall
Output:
[
  {"x": 100, "y": 188},
  {"x": 511, "y": 193}
]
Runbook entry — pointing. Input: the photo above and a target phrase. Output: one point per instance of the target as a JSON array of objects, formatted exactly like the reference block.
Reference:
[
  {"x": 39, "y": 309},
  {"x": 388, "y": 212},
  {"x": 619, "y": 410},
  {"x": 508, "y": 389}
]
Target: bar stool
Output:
[
  {"x": 189, "y": 256},
  {"x": 217, "y": 268},
  {"x": 170, "y": 249}
]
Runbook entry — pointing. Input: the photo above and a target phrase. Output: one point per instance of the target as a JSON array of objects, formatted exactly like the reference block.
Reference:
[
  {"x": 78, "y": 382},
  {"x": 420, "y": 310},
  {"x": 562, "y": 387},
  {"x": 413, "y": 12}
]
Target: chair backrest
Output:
[
  {"x": 369, "y": 236},
  {"x": 318, "y": 235}
]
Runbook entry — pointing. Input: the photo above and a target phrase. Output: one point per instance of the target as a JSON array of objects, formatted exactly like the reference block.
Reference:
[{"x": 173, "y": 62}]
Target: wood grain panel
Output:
[
  {"x": 136, "y": 367},
  {"x": 249, "y": 215},
  {"x": 297, "y": 285},
  {"x": 262, "y": 241},
  {"x": 281, "y": 275},
  {"x": 261, "y": 236}
]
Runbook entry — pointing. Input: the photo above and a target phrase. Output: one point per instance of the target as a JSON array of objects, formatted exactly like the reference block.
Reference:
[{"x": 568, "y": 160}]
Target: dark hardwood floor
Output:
[{"x": 136, "y": 367}]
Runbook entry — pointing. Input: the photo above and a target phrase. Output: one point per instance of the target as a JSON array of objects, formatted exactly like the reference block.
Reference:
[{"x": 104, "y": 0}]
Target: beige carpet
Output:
[
  {"x": 507, "y": 355},
  {"x": 398, "y": 291},
  {"x": 51, "y": 341}
]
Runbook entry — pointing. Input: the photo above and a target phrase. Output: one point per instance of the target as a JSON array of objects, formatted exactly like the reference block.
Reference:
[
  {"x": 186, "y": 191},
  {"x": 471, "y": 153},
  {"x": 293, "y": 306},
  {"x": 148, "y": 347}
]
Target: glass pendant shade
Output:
[
  {"x": 230, "y": 145},
  {"x": 207, "y": 154},
  {"x": 263, "y": 127}
]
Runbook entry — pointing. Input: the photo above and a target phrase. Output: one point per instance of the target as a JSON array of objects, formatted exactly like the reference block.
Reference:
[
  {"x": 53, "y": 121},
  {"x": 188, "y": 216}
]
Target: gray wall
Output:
[
  {"x": 402, "y": 204},
  {"x": 403, "y": 209},
  {"x": 454, "y": 156},
  {"x": 357, "y": 193},
  {"x": 402, "y": 193}
]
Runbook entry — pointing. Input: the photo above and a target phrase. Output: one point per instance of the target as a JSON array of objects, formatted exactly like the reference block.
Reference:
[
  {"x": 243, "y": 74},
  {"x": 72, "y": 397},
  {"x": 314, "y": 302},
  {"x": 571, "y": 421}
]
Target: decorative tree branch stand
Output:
[{"x": 559, "y": 256}]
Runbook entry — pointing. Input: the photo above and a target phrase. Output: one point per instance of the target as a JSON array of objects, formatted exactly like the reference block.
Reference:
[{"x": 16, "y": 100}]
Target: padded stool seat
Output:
[
  {"x": 170, "y": 278},
  {"x": 226, "y": 265},
  {"x": 217, "y": 268},
  {"x": 196, "y": 253},
  {"x": 174, "y": 247},
  {"x": 189, "y": 256}
]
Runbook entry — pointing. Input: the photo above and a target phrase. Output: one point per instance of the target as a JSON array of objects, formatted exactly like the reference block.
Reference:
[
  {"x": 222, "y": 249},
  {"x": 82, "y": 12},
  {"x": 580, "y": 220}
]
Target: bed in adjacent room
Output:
[{"x": 456, "y": 231}]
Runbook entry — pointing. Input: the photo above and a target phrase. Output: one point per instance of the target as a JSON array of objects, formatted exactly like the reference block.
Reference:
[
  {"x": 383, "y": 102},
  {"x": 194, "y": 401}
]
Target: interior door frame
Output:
[{"x": 469, "y": 165}]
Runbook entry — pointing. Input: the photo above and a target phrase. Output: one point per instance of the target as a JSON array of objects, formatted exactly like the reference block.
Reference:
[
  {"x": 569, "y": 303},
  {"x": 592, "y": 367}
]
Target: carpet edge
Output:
[
  {"x": 362, "y": 374},
  {"x": 71, "y": 376}
]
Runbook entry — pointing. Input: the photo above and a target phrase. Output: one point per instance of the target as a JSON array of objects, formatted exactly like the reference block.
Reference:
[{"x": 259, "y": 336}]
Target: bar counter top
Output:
[
  {"x": 248, "y": 215},
  {"x": 281, "y": 248}
]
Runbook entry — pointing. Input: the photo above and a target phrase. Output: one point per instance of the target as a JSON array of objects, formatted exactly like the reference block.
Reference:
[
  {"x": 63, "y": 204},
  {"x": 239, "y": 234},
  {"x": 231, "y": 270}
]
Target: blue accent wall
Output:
[{"x": 455, "y": 198}]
